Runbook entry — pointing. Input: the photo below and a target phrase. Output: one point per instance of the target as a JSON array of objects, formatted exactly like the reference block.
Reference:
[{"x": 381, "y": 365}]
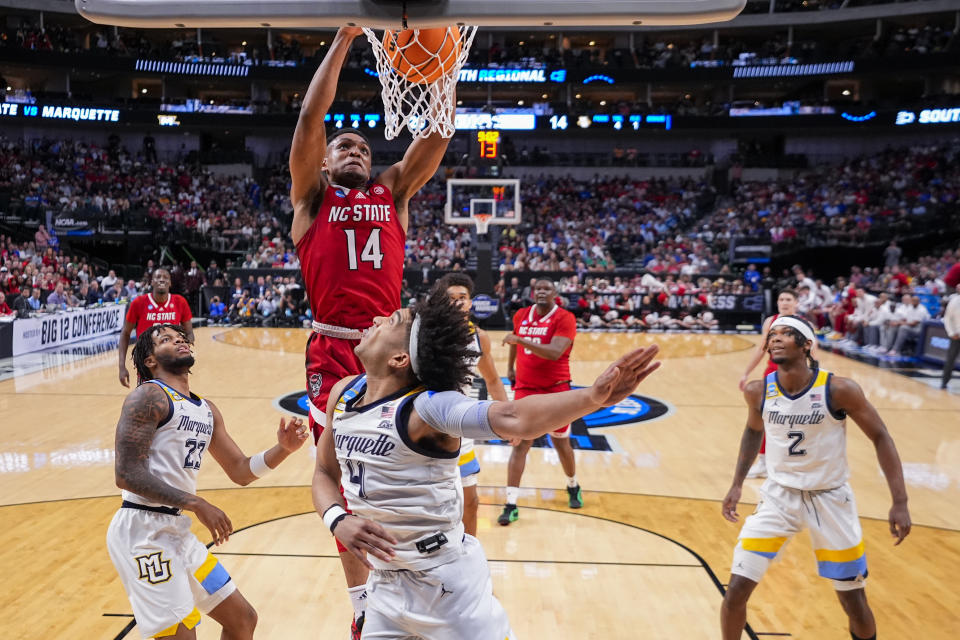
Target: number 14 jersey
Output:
[{"x": 352, "y": 257}]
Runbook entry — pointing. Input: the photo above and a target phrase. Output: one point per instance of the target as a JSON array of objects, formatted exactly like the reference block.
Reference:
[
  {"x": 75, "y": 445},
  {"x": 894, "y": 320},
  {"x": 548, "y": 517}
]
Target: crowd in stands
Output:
[
  {"x": 675, "y": 226},
  {"x": 897, "y": 192}
]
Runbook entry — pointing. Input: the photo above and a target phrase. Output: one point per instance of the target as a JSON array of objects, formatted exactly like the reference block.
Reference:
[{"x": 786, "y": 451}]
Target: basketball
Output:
[{"x": 422, "y": 55}]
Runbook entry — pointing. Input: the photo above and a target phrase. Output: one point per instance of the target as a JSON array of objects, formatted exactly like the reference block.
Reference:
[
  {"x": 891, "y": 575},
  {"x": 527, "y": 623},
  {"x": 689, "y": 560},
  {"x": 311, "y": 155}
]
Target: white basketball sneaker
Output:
[{"x": 759, "y": 468}]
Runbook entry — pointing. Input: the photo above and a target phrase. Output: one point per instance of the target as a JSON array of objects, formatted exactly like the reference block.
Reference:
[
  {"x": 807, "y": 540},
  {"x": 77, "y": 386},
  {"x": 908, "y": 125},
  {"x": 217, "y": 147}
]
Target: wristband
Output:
[
  {"x": 259, "y": 466},
  {"x": 333, "y": 515}
]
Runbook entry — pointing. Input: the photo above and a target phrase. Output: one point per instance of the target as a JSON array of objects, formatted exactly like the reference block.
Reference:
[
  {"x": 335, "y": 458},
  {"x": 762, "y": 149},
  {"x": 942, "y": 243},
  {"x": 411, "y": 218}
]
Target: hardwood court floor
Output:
[{"x": 643, "y": 559}]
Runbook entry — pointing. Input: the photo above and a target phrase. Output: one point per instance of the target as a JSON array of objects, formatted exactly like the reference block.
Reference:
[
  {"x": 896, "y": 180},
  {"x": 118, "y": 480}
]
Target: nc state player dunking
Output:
[{"x": 350, "y": 235}]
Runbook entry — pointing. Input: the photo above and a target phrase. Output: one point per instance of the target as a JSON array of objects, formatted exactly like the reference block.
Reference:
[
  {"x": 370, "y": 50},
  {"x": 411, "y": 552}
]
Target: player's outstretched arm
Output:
[
  {"x": 142, "y": 412},
  {"x": 846, "y": 395},
  {"x": 359, "y": 535},
  {"x": 419, "y": 163},
  {"x": 749, "y": 448},
  {"x": 309, "y": 146},
  {"x": 243, "y": 469},
  {"x": 536, "y": 415}
]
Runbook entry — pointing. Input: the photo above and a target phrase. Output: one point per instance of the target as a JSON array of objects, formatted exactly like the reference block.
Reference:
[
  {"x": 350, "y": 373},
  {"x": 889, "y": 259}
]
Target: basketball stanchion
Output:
[{"x": 418, "y": 71}]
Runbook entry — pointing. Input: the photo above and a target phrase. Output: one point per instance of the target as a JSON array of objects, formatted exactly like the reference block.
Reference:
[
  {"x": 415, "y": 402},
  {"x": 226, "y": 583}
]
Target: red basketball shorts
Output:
[
  {"x": 523, "y": 392},
  {"x": 329, "y": 360}
]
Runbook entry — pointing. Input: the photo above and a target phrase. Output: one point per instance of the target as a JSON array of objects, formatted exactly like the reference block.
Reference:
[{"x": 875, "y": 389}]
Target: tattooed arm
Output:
[
  {"x": 142, "y": 412},
  {"x": 749, "y": 447}
]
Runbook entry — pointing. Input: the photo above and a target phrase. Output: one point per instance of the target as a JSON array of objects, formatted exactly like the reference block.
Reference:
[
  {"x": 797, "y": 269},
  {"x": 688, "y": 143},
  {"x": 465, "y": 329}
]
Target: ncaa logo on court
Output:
[{"x": 587, "y": 433}]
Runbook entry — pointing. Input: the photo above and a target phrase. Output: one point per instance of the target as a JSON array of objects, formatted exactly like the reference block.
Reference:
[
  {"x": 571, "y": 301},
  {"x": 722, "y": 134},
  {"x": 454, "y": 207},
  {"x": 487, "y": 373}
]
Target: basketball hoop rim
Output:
[{"x": 482, "y": 221}]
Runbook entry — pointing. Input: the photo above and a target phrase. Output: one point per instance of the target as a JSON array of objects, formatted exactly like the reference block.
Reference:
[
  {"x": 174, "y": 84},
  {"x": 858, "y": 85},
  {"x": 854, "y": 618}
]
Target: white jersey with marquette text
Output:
[
  {"x": 178, "y": 444},
  {"x": 806, "y": 437},
  {"x": 412, "y": 492}
]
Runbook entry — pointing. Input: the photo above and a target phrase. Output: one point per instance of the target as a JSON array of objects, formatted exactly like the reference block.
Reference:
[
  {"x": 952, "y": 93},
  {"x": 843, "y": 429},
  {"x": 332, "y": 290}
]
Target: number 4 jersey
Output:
[
  {"x": 352, "y": 257},
  {"x": 178, "y": 444},
  {"x": 806, "y": 437}
]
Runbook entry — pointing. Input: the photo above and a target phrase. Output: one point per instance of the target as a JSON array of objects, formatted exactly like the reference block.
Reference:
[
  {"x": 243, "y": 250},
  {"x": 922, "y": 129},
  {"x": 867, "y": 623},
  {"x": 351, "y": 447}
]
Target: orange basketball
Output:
[{"x": 422, "y": 55}]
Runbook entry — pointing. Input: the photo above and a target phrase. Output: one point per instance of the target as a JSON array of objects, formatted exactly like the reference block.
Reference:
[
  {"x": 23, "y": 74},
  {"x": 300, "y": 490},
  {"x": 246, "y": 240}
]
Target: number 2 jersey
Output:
[
  {"x": 178, "y": 444},
  {"x": 352, "y": 257},
  {"x": 534, "y": 372},
  {"x": 412, "y": 492},
  {"x": 806, "y": 437}
]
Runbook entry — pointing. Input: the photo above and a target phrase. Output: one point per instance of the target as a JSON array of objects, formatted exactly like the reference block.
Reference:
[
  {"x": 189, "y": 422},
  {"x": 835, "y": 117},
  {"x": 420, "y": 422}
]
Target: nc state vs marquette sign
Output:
[{"x": 631, "y": 410}]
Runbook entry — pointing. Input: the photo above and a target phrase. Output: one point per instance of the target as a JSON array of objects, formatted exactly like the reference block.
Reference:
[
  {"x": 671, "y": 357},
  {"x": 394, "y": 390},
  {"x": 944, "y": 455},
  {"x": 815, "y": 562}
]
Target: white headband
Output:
[
  {"x": 414, "y": 338},
  {"x": 795, "y": 323}
]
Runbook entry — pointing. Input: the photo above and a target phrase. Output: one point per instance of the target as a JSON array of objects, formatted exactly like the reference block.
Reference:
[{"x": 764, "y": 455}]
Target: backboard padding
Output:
[{"x": 383, "y": 14}]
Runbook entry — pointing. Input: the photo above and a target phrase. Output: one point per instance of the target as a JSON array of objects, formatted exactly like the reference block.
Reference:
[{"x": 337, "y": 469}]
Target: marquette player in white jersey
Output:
[
  {"x": 803, "y": 410},
  {"x": 458, "y": 287},
  {"x": 396, "y": 445},
  {"x": 163, "y": 433}
]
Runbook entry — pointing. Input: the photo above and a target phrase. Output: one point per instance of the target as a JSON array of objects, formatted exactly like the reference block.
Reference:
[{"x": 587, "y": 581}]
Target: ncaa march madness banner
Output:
[{"x": 43, "y": 332}]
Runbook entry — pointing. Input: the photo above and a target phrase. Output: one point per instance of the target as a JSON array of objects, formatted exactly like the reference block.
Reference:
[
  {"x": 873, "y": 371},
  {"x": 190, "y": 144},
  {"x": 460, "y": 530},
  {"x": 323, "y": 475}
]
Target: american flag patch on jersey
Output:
[
  {"x": 815, "y": 397},
  {"x": 387, "y": 412}
]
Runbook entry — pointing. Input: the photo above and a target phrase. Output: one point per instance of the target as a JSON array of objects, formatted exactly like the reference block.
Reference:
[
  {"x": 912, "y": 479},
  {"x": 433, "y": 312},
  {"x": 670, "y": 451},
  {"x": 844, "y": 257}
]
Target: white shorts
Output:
[
  {"x": 454, "y": 601},
  {"x": 831, "y": 516},
  {"x": 468, "y": 463},
  {"x": 168, "y": 574}
]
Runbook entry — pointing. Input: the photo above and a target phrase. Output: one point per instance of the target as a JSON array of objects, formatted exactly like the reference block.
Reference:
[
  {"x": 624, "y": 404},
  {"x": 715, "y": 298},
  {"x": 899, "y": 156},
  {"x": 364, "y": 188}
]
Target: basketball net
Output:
[
  {"x": 423, "y": 108},
  {"x": 482, "y": 220}
]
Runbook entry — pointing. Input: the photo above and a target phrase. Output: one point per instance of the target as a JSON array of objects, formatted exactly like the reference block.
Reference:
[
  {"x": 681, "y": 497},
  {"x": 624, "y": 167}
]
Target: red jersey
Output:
[
  {"x": 532, "y": 370},
  {"x": 144, "y": 311},
  {"x": 352, "y": 257}
]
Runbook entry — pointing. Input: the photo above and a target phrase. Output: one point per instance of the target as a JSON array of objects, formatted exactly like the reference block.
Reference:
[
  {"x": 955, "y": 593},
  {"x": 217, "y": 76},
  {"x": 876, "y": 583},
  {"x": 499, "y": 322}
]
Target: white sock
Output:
[
  {"x": 512, "y": 494},
  {"x": 572, "y": 481},
  {"x": 358, "y": 598}
]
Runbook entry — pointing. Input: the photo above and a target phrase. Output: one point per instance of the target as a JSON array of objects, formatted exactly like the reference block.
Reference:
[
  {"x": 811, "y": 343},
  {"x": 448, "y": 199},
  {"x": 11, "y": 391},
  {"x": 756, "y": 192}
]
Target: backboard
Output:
[
  {"x": 383, "y": 14},
  {"x": 482, "y": 201}
]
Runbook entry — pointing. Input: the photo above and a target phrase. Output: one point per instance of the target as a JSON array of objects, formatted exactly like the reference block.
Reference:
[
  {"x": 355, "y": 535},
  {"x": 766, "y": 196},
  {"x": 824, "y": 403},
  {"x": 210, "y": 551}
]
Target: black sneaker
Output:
[
  {"x": 510, "y": 514},
  {"x": 576, "y": 499},
  {"x": 356, "y": 628}
]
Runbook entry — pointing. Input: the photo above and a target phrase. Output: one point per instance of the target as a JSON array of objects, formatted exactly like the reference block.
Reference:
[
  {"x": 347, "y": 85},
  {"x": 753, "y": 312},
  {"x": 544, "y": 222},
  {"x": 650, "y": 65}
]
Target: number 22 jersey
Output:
[{"x": 178, "y": 444}]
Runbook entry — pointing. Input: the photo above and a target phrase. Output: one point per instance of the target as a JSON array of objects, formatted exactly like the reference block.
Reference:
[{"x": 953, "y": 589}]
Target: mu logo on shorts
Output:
[
  {"x": 630, "y": 410},
  {"x": 153, "y": 568}
]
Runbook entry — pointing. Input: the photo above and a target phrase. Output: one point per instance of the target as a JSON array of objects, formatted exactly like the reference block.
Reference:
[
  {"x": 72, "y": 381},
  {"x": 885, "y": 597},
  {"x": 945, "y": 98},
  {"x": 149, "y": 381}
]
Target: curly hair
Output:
[
  {"x": 443, "y": 345},
  {"x": 453, "y": 279},
  {"x": 799, "y": 340},
  {"x": 143, "y": 349}
]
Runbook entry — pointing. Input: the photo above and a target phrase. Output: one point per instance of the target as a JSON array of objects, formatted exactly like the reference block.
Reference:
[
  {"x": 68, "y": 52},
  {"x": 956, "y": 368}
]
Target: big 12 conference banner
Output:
[{"x": 43, "y": 332}]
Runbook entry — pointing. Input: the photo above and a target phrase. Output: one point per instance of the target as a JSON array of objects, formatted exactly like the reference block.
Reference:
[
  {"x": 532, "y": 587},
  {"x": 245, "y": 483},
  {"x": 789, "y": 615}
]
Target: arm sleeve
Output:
[{"x": 455, "y": 414}]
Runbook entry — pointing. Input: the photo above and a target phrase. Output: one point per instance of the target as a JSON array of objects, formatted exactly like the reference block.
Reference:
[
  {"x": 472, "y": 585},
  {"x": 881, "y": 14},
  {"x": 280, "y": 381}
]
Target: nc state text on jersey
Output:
[{"x": 360, "y": 213}]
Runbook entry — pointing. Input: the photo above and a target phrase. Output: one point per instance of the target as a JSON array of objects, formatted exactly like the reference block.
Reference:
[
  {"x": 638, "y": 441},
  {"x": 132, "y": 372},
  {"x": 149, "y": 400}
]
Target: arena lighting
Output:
[
  {"x": 599, "y": 78},
  {"x": 785, "y": 70},
  {"x": 193, "y": 68},
  {"x": 928, "y": 116},
  {"x": 863, "y": 118}
]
